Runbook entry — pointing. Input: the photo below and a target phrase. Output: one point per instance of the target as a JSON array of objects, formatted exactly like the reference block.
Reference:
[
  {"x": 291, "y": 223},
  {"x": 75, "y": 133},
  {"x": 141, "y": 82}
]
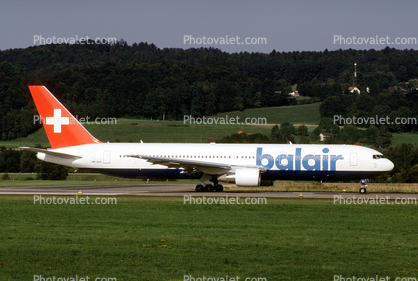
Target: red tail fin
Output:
[{"x": 60, "y": 125}]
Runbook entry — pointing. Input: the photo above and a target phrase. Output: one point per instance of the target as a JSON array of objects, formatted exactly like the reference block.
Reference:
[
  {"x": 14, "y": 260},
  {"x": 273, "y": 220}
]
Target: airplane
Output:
[{"x": 243, "y": 164}]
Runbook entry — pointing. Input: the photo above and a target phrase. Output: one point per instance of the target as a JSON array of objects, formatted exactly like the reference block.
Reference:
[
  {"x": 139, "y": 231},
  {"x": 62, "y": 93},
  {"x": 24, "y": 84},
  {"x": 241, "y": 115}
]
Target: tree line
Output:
[
  {"x": 396, "y": 110},
  {"x": 143, "y": 81},
  {"x": 23, "y": 161}
]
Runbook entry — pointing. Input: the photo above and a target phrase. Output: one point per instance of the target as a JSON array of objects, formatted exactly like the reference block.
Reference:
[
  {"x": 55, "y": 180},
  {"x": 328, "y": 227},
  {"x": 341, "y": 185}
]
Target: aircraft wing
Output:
[
  {"x": 52, "y": 153},
  {"x": 190, "y": 166}
]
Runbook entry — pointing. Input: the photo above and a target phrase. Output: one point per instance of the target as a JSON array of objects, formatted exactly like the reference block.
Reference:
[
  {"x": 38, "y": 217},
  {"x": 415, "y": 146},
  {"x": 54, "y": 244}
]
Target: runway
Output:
[{"x": 181, "y": 190}]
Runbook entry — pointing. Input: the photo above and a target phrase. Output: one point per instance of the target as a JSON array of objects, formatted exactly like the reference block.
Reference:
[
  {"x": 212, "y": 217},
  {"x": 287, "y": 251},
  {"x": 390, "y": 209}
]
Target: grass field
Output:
[
  {"x": 168, "y": 131},
  {"x": 298, "y": 114},
  {"x": 163, "y": 239},
  {"x": 404, "y": 138},
  {"x": 132, "y": 130}
]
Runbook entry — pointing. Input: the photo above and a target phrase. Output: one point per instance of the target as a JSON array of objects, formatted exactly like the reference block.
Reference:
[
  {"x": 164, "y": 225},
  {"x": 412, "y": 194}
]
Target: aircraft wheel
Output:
[
  {"x": 199, "y": 188},
  {"x": 362, "y": 190},
  {"x": 209, "y": 188},
  {"x": 219, "y": 188}
]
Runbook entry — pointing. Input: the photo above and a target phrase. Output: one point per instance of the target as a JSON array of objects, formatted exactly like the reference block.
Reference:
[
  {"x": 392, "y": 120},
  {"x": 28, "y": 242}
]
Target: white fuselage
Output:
[{"x": 278, "y": 161}]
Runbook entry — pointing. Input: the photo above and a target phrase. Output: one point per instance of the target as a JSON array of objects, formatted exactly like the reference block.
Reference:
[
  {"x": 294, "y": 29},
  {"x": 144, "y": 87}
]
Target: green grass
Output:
[
  {"x": 302, "y": 98},
  {"x": 148, "y": 131},
  {"x": 163, "y": 239},
  {"x": 133, "y": 130},
  {"x": 298, "y": 114},
  {"x": 404, "y": 138}
]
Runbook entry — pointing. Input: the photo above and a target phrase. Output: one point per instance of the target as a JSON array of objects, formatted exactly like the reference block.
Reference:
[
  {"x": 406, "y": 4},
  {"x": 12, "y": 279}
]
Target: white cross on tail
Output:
[{"x": 57, "y": 120}]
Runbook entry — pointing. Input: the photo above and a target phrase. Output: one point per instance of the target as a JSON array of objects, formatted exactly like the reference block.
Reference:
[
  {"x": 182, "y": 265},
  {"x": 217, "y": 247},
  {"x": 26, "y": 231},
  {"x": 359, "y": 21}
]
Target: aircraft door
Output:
[
  {"x": 353, "y": 159},
  {"x": 106, "y": 157}
]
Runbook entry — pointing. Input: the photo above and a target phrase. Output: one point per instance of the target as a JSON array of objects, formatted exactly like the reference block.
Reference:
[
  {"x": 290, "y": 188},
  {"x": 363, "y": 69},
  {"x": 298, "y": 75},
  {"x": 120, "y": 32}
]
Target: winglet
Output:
[{"x": 61, "y": 127}]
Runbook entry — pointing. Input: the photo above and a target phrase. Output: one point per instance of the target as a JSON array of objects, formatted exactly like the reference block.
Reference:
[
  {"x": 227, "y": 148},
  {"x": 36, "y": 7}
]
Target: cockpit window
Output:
[{"x": 378, "y": 156}]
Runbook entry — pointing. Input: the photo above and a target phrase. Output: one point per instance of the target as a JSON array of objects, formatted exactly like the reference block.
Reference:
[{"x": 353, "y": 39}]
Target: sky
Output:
[{"x": 232, "y": 26}]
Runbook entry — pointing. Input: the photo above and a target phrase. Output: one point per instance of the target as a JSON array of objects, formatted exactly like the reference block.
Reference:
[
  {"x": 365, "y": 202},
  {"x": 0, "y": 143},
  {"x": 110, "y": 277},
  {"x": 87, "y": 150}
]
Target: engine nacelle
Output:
[{"x": 247, "y": 177}]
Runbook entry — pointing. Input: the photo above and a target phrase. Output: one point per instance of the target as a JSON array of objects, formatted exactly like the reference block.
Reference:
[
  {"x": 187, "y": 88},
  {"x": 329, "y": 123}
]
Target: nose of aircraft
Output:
[{"x": 389, "y": 165}]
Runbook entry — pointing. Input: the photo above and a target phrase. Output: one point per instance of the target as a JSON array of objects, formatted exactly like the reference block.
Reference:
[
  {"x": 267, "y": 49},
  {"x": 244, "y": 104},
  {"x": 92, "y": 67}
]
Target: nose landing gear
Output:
[{"x": 363, "y": 186}]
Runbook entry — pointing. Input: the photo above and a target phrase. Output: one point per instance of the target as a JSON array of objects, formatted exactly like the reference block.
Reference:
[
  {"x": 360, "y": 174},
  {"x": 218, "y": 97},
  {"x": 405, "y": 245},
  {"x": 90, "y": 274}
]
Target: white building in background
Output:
[{"x": 354, "y": 89}]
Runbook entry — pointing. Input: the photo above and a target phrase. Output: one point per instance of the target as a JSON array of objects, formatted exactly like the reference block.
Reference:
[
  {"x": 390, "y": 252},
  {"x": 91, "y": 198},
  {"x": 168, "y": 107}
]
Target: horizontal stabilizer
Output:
[{"x": 52, "y": 153}]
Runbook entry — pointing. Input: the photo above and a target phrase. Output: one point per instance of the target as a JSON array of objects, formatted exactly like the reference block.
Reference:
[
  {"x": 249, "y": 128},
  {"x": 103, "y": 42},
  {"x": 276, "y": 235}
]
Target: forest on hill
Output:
[{"x": 143, "y": 81}]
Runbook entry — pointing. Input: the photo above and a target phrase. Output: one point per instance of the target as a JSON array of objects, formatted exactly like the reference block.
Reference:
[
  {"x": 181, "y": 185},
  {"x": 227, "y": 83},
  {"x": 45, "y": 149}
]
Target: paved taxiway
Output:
[{"x": 179, "y": 190}]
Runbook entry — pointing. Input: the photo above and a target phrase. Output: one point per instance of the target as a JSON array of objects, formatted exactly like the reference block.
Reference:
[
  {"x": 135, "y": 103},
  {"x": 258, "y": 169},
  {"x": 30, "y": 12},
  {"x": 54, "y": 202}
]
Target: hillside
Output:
[
  {"x": 307, "y": 114},
  {"x": 135, "y": 130},
  {"x": 143, "y": 81}
]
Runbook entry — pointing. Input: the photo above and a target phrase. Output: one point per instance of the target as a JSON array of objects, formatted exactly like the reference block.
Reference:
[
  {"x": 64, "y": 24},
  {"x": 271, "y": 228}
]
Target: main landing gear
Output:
[{"x": 210, "y": 187}]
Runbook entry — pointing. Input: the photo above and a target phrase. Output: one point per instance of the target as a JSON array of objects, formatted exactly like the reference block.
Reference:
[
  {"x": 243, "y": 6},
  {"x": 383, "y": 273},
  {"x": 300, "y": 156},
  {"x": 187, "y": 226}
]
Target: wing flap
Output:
[{"x": 190, "y": 166}]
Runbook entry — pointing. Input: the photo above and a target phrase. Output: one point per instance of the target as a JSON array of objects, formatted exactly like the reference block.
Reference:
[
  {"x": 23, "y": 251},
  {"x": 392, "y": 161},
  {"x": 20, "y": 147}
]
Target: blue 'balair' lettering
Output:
[{"x": 295, "y": 162}]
